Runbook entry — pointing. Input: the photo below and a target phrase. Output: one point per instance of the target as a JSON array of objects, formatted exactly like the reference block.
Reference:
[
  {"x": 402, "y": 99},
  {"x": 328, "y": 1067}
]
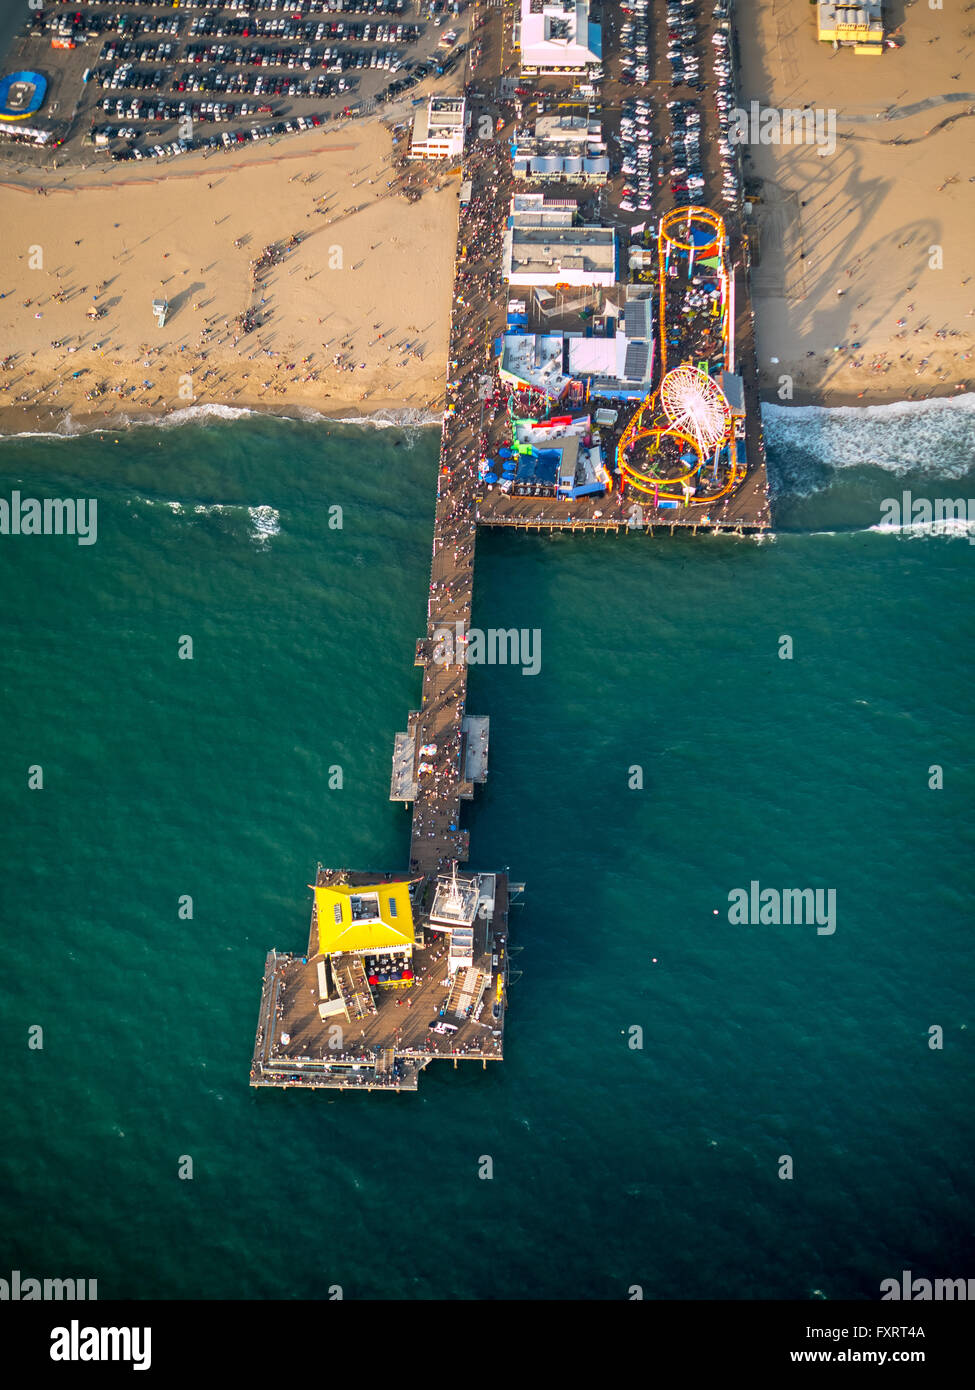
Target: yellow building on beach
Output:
[{"x": 856, "y": 24}]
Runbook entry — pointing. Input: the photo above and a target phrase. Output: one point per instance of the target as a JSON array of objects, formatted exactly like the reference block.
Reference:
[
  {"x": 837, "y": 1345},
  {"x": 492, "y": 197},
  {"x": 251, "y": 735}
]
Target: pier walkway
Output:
[{"x": 478, "y": 316}]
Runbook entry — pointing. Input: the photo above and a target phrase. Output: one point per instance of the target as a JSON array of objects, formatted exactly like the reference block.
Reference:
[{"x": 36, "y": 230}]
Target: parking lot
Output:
[
  {"x": 664, "y": 96},
  {"x": 675, "y": 74},
  {"x": 136, "y": 82}
]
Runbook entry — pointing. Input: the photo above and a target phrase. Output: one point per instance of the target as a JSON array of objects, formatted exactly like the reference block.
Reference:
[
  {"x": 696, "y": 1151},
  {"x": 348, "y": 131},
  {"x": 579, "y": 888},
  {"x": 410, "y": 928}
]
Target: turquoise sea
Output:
[{"x": 613, "y": 1166}]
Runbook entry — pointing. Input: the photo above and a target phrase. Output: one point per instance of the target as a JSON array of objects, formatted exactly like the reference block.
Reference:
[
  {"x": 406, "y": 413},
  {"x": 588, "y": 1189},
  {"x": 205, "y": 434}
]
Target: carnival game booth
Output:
[
  {"x": 611, "y": 358},
  {"x": 617, "y": 364}
]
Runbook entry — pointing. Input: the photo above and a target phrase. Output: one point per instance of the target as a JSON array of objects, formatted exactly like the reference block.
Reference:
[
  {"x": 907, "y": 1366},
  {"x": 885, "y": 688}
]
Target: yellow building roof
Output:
[{"x": 367, "y": 917}]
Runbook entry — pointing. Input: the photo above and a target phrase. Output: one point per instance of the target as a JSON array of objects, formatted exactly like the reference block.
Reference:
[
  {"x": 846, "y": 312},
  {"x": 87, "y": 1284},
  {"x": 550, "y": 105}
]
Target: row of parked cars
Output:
[
  {"x": 207, "y": 26},
  {"x": 635, "y": 43},
  {"x": 126, "y": 76},
  {"x": 332, "y": 59},
  {"x": 229, "y": 139},
  {"x": 289, "y": 7},
  {"x": 637, "y": 147},
  {"x": 138, "y": 109},
  {"x": 686, "y": 169},
  {"x": 682, "y": 38},
  {"x": 141, "y": 24},
  {"x": 725, "y": 100},
  {"x": 296, "y": 7},
  {"x": 270, "y": 85},
  {"x": 89, "y": 24},
  {"x": 121, "y": 50}
]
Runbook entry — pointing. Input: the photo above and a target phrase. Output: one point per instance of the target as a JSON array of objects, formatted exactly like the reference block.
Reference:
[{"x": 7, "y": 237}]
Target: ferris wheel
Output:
[{"x": 695, "y": 404}]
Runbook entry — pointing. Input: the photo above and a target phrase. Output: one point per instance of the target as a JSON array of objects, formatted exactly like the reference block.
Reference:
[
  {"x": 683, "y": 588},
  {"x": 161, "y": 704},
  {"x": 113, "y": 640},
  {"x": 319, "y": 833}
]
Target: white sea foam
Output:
[
  {"x": 393, "y": 419},
  {"x": 934, "y": 437},
  {"x": 33, "y": 434},
  {"x": 266, "y": 522},
  {"x": 190, "y": 413},
  {"x": 179, "y": 508},
  {"x": 955, "y": 528},
  {"x": 67, "y": 429},
  {"x": 887, "y": 410},
  {"x": 405, "y": 419},
  {"x": 752, "y": 537}
]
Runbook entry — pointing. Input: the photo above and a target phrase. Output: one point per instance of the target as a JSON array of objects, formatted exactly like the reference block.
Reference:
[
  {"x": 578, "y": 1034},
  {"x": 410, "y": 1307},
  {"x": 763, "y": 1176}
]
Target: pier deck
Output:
[
  {"x": 387, "y": 1045},
  {"x": 738, "y": 513}
]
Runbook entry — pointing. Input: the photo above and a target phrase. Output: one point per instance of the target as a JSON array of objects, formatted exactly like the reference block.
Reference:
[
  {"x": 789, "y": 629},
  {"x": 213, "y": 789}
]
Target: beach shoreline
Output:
[
  {"x": 349, "y": 316},
  {"x": 290, "y": 281},
  {"x": 22, "y": 422},
  {"x": 67, "y": 424}
]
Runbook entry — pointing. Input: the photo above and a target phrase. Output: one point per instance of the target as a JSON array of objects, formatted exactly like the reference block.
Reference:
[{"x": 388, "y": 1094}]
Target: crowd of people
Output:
[{"x": 473, "y": 404}]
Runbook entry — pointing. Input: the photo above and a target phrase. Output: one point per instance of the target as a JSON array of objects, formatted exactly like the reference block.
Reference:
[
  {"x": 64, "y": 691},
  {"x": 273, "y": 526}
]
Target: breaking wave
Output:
[
  {"x": 265, "y": 522},
  {"x": 406, "y": 419},
  {"x": 393, "y": 419},
  {"x": 955, "y": 528},
  {"x": 190, "y": 413},
  {"x": 808, "y": 445}
]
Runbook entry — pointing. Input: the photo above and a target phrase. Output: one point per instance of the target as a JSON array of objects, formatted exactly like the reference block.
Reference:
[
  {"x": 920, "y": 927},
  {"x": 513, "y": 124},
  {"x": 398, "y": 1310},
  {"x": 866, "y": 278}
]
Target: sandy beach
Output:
[
  {"x": 865, "y": 289},
  {"x": 862, "y": 285},
  {"x": 353, "y": 318}
]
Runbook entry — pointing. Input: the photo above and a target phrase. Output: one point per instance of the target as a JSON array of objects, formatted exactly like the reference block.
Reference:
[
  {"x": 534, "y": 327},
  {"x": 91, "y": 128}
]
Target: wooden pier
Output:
[
  {"x": 322, "y": 1023},
  {"x": 471, "y": 429},
  {"x": 382, "y": 1039}
]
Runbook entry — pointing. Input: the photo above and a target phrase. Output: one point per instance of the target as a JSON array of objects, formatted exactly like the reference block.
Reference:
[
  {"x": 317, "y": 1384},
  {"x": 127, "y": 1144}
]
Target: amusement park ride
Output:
[{"x": 680, "y": 446}]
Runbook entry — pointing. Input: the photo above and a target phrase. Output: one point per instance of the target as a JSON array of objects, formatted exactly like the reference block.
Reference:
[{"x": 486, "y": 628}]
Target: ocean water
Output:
[{"x": 613, "y": 1166}]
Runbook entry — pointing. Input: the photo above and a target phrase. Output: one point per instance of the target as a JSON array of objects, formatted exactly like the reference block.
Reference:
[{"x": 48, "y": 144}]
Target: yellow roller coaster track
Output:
[{"x": 670, "y": 226}]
